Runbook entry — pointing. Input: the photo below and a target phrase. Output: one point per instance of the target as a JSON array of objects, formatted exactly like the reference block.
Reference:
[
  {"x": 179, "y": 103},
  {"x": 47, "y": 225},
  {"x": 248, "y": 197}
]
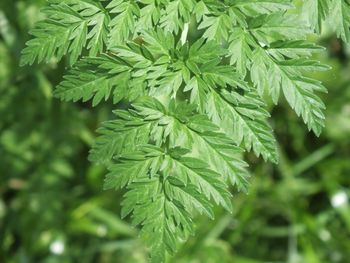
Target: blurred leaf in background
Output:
[{"x": 53, "y": 209}]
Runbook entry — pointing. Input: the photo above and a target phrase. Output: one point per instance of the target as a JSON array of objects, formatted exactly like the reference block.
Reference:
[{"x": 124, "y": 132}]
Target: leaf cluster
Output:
[{"x": 193, "y": 106}]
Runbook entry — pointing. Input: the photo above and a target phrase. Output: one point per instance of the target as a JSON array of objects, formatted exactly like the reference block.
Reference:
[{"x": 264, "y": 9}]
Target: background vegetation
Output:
[{"x": 53, "y": 209}]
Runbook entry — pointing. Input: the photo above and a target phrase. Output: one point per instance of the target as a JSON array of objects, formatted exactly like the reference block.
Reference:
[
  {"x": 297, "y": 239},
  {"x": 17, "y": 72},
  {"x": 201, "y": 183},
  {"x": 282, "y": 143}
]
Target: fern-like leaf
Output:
[
  {"x": 190, "y": 108},
  {"x": 71, "y": 26}
]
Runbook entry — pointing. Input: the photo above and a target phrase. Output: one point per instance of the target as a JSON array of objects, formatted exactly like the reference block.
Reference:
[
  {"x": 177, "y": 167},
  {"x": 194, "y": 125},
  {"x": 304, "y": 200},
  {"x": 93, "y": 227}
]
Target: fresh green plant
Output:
[{"x": 190, "y": 81}]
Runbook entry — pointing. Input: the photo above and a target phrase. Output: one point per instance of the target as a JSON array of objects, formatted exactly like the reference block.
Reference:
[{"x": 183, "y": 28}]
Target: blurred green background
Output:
[{"x": 53, "y": 208}]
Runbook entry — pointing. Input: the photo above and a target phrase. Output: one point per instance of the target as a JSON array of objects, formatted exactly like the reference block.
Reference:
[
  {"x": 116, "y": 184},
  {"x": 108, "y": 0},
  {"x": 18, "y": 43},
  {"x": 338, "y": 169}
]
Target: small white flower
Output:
[
  {"x": 101, "y": 231},
  {"x": 339, "y": 199},
  {"x": 57, "y": 247},
  {"x": 324, "y": 235}
]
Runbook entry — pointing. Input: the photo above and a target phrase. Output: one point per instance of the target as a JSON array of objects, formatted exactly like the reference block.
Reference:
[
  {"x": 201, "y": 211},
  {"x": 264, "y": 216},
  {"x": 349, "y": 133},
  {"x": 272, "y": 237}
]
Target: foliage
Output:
[{"x": 186, "y": 108}]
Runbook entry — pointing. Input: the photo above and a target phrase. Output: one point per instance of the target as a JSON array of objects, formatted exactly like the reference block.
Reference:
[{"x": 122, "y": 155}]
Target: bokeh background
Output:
[{"x": 53, "y": 208}]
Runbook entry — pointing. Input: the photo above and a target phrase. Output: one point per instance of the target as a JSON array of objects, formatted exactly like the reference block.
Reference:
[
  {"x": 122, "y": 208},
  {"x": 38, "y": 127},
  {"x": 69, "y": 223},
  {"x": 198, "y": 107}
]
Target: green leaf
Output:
[
  {"x": 315, "y": 12},
  {"x": 240, "y": 50},
  {"x": 244, "y": 120},
  {"x": 336, "y": 13},
  {"x": 277, "y": 26},
  {"x": 150, "y": 120},
  {"x": 122, "y": 25},
  {"x": 273, "y": 75},
  {"x": 176, "y": 14},
  {"x": 256, "y": 7},
  {"x": 339, "y": 18},
  {"x": 124, "y": 134},
  {"x": 292, "y": 49},
  {"x": 71, "y": 25},
  {"x": 216, "y": 27},
  {"x": 193, "y": 131},
  {"x": 164, "y": 192},
  {"x": 95, "y": 78}
]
